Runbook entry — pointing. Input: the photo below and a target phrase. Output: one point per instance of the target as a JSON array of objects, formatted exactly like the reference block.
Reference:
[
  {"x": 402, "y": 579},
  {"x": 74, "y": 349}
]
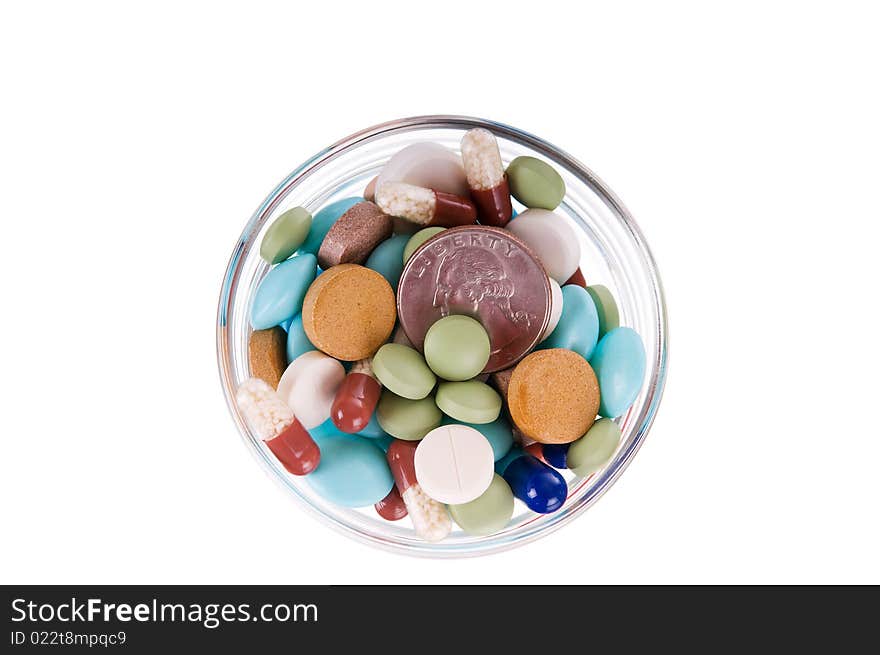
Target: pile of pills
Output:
[{"x": 428, "y": 351}]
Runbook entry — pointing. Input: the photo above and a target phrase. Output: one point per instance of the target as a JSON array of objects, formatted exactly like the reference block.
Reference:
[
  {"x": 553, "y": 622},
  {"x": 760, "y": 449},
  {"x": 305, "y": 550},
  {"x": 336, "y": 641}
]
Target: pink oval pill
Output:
[{"x": 309, "y": 386}]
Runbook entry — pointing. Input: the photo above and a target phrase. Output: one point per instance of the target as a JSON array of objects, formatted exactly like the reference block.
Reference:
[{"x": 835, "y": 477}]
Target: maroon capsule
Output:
[
  {"x": 391, "y": 507},
  {"x": 355, "y": 402},
  {"x": 493, "y": 204},
  {"x": 295, "y": 449},
  {"x": 401, "y": 458},
  {"x": 577, "y": 278},
  {"x": 451, "y": 210}
]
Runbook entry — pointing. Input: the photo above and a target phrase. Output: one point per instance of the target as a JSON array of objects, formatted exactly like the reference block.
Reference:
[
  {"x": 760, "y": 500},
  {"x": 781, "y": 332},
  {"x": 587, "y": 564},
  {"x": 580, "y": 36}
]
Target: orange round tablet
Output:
[
  {"x": 553, "y": 396},
  {"x": 349, "y": 311}
]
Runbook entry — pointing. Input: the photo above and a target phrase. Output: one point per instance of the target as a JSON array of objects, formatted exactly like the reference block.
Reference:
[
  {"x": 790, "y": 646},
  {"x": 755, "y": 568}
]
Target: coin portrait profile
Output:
[
  {"x": 472, "y": 280},
  {"x": 482, "y": 272}
]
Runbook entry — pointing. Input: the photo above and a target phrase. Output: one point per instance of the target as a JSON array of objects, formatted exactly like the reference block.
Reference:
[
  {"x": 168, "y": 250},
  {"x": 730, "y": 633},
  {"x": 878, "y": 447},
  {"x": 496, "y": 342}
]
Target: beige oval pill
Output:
[
  {"x": 454, "y": 464},
  {"x": 428, "y": 165}
]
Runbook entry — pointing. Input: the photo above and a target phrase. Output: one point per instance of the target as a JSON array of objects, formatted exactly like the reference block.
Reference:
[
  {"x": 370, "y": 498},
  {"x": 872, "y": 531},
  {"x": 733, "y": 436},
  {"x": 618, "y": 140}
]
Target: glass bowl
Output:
[{"x": 614, "y": 253}]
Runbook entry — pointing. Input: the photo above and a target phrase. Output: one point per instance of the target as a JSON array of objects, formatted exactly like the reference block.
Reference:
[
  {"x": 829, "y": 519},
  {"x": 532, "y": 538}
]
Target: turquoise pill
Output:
[
  {"x": 280, "y": 294},
  {"x": 488, "y": 513},
  {"x": 384, "y": 442},
  {"x": 403, "y": 370},
  {"x": 297, "y": 341},
  {"x": 469, "y": 402},
  {"x": 498, "y": 433},
  {"x": 535, "y": 183},
  {"x": 323, "y": 220},
  {"x": 353, "y": 472},
  {"x": 406, "y": 419},
  {"x": 373, "y": 430},
  {"x": 327, "y": 429},
  {"x": 418, "y": 239},
  {"x": 578, "y": 327},
  {"x": 285, "y": 235},
  {"x": 619, "y": 363},
  {"x": 606, "y": 308},
  {"x": 595, "y": 449},
  {"x": 457, "y": 348},
  {"x": 387, "y": 258}
]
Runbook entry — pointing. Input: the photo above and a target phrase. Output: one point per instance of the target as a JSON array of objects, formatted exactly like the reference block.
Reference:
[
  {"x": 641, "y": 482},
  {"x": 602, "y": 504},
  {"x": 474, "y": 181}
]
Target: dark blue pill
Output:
[
  {"x": 541, "y": 488},
  {"x": 555, "y": 454}
]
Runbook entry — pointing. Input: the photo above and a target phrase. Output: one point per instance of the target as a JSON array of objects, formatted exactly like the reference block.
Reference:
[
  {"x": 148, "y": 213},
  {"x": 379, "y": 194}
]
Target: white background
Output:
[{"x": 135, "y": 143}]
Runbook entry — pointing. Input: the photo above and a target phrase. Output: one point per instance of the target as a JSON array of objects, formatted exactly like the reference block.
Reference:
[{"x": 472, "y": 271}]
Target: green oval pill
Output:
[
  {"x": 418, "y": 239},
  {"x": 488, "y": 513},
  {"x": 403, "y": 370},
  {"x": 535, "y": 183},
  {"x": 285, "y": 235},
  {"x": 469, "y": 402},
  {"x": 406, "y": 419},
  {"x": 606, "y": 308},
  {"x": 457, "y": 348},
  {"x": 595, "y": 449}
]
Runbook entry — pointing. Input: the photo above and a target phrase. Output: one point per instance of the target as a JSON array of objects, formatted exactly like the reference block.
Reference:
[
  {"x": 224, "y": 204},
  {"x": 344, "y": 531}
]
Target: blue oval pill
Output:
[
  {"x": 556, "y": 454},
  {"x": 578, "y": 327},
  {"x": 297, "y": 341},
  {"x": 540, "y": 487},
  {"x": 353, "y": 472},
  {"x": 323, "y": 220},
  {"x": 387, "y": 258},
  {"x": 619, "y": 363},
  {"x": 280, "y": 294}
]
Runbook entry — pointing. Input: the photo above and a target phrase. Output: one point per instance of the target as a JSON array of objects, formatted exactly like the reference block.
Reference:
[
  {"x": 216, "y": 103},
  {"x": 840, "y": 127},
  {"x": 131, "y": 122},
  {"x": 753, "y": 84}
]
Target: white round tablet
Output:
[
  {"x": 454, "y": 464},
  {"x": 309, "y": 385},
  {"x": 555, "y": 308},
  {"x": 428, "y": 165},
  {"x": 552, "y": 239}
]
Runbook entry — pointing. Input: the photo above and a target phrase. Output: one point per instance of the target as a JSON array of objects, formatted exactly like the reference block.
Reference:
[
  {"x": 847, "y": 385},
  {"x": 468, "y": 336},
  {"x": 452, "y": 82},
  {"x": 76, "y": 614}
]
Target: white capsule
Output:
[
  {"x": 266, "y": 412},
  {"x": 430, "y": 519}
]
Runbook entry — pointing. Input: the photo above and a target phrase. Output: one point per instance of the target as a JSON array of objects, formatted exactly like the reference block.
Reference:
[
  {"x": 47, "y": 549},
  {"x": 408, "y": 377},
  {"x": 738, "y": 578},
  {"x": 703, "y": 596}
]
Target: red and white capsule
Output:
[
  {"x": 425, "y": 207},
  {"x": 485, "y": 176},
  {"x": 356, "y": 398},
  {"x": 391, "y": 507},
  {"x": 429, "y": 518},
  {"x": 273, "y": 421}
]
